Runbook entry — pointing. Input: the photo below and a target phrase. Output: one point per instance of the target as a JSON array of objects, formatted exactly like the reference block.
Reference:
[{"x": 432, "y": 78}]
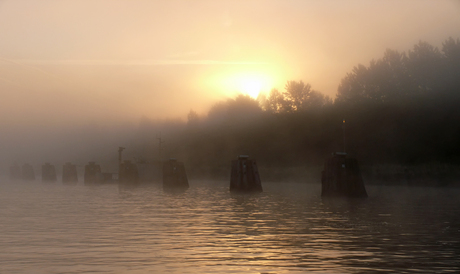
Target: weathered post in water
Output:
[
  {"x": 69, "y": 174},
  {"x": 341, "y": 177},
  {"x": 93, "y": 173},
  {"x": 28, "y": 173},
  {"x": 128, "y": 173},
  {"x": 48, "y": 173},
  {"x": 174, "y": 175},
  {"x": 245, "y": 175}
]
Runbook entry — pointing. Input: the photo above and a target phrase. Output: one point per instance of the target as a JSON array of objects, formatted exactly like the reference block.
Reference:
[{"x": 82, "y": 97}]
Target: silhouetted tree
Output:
[
  {"x": 317, "y": 100},
  {"x": 297, "y": 94},
  {"x": 276, "y": 102},
  {"x": 405, "y": 106},
  {"x": 354, "y": 88},
  {"x": 423, "y": 65},
  {"x": 296, "y": 97},
  {"x": 242, "y": 106},
  {"x": 451, "y": 51},
  {"x": 384, "y": 80},
  {"x": 397, "y": 75},
  {"x": 400, "y": 109}
]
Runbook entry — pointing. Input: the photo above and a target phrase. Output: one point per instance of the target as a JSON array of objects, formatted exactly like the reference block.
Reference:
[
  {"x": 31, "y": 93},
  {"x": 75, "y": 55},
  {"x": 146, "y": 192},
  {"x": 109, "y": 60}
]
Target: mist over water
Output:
[
  {"x": 53, "y": 228},
  {"x": 285, "y": 82}
]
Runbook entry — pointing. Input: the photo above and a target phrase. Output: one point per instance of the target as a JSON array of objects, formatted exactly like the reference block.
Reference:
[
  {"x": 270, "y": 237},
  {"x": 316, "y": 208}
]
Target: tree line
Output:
[{"x": 401, "y": 109}]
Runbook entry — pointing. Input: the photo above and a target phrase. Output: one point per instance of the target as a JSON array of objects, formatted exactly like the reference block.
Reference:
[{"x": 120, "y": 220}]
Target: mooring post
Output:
[
  {"x": 174, "y": 175},
  {"x": 159, "y": 146},
  {"x": 244, "y": 176}
]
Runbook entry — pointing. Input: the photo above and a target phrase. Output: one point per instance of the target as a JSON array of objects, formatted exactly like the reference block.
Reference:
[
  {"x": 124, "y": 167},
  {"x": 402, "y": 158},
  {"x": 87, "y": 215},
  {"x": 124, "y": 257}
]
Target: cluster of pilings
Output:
[
  {"x": 244, "y": 175},
  {"x": 340, "y": 177},
  {"x": 27, "y": 173}
]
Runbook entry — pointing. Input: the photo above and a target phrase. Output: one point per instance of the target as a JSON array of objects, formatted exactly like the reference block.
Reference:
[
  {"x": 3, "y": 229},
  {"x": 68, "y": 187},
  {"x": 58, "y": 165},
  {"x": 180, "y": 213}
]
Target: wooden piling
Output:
[
  {"x": 341, "y": 177},
  {"x": 174, "y": 175},
  {"x": 245, "y": 175}
]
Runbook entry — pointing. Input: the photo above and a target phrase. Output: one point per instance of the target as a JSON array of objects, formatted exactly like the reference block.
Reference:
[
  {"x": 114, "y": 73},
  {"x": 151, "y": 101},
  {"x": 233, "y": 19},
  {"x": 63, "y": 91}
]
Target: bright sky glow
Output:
[
  {"x": 248, "y": 83},
  {"x": 105, "y": 61},
  {"x": 251, "y": 87}
]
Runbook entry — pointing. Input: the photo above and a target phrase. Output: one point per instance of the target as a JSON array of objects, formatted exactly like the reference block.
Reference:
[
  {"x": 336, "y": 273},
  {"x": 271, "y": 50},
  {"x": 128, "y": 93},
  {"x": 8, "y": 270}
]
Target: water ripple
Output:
[{"x": 286, "y": 229}]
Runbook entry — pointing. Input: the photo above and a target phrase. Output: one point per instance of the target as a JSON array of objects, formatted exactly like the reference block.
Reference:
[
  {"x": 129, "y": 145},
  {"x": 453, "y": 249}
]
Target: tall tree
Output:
[
  {"x": 318, "y": 100},
  {"x": 423, "y": 64},
  {"x": 451, "y": 51},
  {"x": 395, "y": 76},
  {"x": 354, "y": 88},
  {"x": 239, "y": 107},
  {"x": 297, "y": 94},
  {"x": 276, "y": 102},
  {"x": 386, "y": 79}
]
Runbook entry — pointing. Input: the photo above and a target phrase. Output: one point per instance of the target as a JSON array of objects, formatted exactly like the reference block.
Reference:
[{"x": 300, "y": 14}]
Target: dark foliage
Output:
[{"x": 401, "y": 109}]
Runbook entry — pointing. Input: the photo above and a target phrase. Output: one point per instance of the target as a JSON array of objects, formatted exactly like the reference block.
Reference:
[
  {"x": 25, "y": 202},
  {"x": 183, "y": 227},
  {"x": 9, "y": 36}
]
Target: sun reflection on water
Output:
[{"x": 55, "y": 229}]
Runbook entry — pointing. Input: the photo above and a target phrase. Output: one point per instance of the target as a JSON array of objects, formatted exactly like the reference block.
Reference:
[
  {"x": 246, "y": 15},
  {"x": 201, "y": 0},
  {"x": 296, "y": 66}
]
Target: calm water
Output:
[{"x": 52, "y": 228}]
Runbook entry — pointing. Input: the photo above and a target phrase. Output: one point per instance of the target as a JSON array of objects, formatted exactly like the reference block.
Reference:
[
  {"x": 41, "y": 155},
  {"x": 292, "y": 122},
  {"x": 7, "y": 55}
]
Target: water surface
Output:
[{"x": 53, "y": 228}]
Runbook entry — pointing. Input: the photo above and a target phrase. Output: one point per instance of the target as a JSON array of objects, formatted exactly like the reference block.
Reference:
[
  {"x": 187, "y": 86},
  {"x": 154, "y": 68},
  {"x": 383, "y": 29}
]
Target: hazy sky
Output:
[{"x": 100, "y": 61}]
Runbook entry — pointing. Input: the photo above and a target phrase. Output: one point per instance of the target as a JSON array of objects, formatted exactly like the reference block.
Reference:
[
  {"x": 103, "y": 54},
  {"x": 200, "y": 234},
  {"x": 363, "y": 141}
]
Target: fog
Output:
[{"x": 76, "y": 77}]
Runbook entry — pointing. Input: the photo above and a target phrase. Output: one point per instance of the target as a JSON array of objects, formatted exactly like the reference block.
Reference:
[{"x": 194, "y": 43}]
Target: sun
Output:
[
  {"x": 248, "y": 83},
  {"x": 235, "y": 80},
  {"x": 249, "y": 86}
]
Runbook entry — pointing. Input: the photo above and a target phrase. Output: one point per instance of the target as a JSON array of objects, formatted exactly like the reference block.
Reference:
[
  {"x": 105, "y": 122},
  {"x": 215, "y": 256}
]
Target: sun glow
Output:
[
  {"x": 250, "y": 86},
  {"x": 247, "y": 83}
]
